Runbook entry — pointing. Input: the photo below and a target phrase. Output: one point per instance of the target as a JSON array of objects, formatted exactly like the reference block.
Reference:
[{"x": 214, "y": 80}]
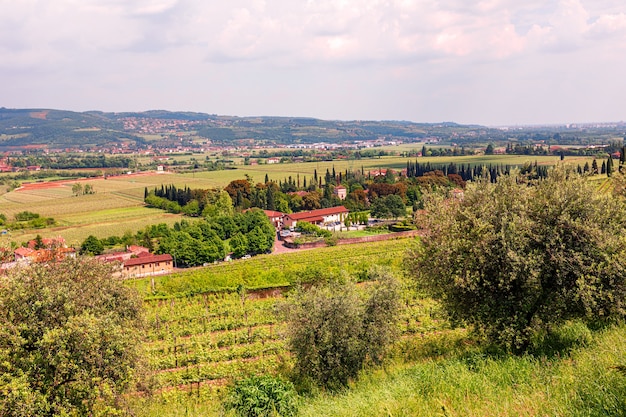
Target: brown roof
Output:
[
  {"x": 22, "y": 251},
  {"x": 148, "y": 260},
  {"x": 303, "y": 215}
]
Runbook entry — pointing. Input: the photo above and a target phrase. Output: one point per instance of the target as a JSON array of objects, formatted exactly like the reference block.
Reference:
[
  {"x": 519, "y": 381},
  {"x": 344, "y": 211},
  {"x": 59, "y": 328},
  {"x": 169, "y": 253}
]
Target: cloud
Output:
[{"x": 364, "y": 54}]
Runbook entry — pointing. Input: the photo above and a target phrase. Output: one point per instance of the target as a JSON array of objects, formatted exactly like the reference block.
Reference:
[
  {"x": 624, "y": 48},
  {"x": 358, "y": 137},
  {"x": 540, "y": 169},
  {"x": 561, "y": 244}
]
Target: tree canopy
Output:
[
  {"x": 333, "y": 332},
  {"x": 515, "y": 257},
  {"x": 69, "y": 336}
]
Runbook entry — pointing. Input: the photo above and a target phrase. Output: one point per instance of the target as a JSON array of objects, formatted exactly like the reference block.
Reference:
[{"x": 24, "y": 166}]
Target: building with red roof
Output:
[
  {"x": 147, "y": 265},
  {"x": 321, "y": 216}
]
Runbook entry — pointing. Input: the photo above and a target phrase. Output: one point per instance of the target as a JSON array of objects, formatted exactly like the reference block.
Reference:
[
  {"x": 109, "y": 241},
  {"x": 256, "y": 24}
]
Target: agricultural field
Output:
[
  {"x": 117, "y": 205},
  {"x": 212, "y": 325}
]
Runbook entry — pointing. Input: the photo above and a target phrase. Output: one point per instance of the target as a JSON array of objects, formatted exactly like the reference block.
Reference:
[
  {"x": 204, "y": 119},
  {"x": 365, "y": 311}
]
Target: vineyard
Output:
[{"x": 213, "y": 325}]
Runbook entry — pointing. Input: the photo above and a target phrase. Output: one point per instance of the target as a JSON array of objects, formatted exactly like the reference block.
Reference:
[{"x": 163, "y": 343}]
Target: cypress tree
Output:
[{"x": 609, "y": 166}]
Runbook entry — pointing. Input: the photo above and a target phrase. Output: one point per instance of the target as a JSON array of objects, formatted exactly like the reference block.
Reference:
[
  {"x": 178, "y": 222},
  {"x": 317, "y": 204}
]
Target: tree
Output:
[
  {"x": 511, "y": 260},
  {"x": 609, "y": 166},
  {"x": 489, "y": 149},
  {"x": 239, "y": 245},
  {"x": 77, "y": 189},
  {"x": 69, "y": 339},
  {"x": 333, "y": 333},
  {"x": 390, "y": 206},
  {"x": 92, "y": 246}
]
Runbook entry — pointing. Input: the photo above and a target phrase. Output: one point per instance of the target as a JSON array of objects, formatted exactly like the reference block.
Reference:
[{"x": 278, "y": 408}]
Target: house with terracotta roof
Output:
[
  {"x": 48, "y": 243},
  {"x": 318, "y": 217},
  {"x": 147, "y": 264},
  {"x": 131, "y": 251},
  {"x": 27, "y": 256},
  {"x": 276, "y": 217}
]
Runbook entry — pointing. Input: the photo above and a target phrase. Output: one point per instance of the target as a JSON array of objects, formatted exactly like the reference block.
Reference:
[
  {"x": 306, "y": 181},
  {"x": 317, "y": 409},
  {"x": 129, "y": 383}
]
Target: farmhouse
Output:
[
  {"x": 131, "y": 251},
  {"x": 276, "y": 217},
  {"x": 321, "y": 216},
  {"x": 146, "y": 265}
]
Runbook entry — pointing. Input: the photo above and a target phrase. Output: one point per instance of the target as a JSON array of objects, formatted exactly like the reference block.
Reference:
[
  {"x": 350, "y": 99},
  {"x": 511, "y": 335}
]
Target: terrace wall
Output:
[{"x": 374, "y": 238}]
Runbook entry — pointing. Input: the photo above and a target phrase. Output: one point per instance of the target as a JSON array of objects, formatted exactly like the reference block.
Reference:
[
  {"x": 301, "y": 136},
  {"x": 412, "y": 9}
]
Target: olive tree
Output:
[
  {"x": 513, "y": 257},
  {"x": 69, "y": 336},
  {"x": 333, "y": 331}
]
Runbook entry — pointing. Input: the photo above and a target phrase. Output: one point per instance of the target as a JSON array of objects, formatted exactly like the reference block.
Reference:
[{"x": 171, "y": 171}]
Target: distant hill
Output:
[{"x": 59, "y": 129}]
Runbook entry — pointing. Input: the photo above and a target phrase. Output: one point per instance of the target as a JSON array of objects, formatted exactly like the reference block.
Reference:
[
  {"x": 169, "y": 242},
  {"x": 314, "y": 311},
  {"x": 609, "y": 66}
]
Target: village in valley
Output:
[{"x": 226, "y": 234}]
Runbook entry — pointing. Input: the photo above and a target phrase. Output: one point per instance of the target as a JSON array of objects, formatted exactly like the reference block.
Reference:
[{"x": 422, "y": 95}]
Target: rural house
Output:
[
  {"x": 319, "y": 217},
  {"x": 147, "y": 264}
]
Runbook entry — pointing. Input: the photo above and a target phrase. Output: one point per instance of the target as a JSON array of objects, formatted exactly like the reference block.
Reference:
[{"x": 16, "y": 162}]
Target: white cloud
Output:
[{"x": 381, "y": 51}]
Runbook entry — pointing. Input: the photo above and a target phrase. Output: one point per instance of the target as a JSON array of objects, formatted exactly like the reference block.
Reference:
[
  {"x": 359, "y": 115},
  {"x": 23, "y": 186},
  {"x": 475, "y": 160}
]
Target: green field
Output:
[
  {"x": 203, "y": 334},
  {"x": 117, "y": 205}
]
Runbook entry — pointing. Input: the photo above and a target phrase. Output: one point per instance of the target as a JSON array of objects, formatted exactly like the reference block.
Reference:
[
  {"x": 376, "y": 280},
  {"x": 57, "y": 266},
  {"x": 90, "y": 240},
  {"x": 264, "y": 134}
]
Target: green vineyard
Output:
[{"x": 210, "y": 326}]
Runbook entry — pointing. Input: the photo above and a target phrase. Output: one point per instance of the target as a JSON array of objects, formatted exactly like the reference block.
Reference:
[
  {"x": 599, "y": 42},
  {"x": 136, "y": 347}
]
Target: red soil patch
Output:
[
  {"x": 39, "y": 115},
  {"x": 28, "y": 186}
]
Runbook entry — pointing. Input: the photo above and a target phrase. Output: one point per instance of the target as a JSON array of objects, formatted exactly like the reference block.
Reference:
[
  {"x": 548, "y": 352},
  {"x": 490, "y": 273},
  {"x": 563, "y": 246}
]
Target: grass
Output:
[
  {"x": 583, "y": 383},
  {"x": 98, "y": 214},
  {"x": 359, "y": 233}
]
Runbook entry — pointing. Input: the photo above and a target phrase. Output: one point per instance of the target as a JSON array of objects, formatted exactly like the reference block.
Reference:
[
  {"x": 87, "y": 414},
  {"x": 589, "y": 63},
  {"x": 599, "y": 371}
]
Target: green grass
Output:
[
  {"x": 267, "y": 271},
  {"x": 101, "y": 214},
  {"x": 583, "y": 383},
  {"x": 359, "y": 233}
]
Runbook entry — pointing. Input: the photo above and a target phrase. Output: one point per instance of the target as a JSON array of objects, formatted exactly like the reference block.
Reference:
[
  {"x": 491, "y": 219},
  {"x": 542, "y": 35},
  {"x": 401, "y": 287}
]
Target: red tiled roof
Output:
[
  {"x": 318, "y": 213},
  {"x": 22, "y": 251},
  {"x": 137, "y": 249},
  {"x": 272, "y": 213},
  {"x": 148, "y": 260}
]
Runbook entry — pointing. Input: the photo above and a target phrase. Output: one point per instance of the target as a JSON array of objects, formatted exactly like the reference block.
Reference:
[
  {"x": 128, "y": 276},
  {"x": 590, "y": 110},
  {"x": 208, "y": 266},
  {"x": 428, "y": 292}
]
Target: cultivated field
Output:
[{"x": 117, "y": 205}]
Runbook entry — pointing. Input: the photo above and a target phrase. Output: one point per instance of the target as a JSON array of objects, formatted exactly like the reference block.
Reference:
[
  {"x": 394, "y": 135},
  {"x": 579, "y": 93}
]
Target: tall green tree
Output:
[
  {"x": 511, "y": 260},
  {"x": 69, "y": 340},
  {"x": 91, "y": 246}
]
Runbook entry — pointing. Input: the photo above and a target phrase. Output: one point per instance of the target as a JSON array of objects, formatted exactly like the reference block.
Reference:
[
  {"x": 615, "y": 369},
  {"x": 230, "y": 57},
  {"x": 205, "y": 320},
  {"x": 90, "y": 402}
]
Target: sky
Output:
[{"x": 492, "y": 62}]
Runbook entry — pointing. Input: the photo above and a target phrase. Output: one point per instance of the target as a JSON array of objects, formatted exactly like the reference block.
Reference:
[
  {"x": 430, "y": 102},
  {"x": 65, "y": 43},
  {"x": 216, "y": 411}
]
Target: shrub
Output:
[
  {"x": 260, "y": 396},
  {"x": 333, "y": 333},
  {"x": 516, "y": 258}
]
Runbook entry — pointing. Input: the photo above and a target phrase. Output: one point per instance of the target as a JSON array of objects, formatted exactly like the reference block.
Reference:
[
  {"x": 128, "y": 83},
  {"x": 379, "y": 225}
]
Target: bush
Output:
[
  {"x": 260, "y": 396},
  {"x": 516, "y": 258},
  {"x": 333, "y": 333},
  {"x": 400, "y": 227},
  {"x": 69, "y": 339},
  {"x": 312, "y": 229}
]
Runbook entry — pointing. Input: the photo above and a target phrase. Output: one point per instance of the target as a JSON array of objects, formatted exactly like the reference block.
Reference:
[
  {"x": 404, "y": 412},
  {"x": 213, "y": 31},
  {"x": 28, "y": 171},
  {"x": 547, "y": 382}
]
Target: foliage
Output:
[
  {"x": 92, "y": 246},
  {"x": 514, "y": 258},
  {"x": 333, "y": 333},
  {"x": 78, "y": 189},
  {"x": 25, "y": 216},
  {"x": 387, "y": 207},
  {"x": 239, "y": 245},
  {"x": 69, "y": 337},
  {"x": 312, "y": 229},
  {"x": 262, "y": 396},
  {"x": 586, "y": 382}
]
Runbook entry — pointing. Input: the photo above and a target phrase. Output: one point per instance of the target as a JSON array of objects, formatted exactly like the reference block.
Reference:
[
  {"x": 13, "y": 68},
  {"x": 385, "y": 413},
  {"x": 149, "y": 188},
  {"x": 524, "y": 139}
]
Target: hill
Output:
[{"x": 95, "y": 130}]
